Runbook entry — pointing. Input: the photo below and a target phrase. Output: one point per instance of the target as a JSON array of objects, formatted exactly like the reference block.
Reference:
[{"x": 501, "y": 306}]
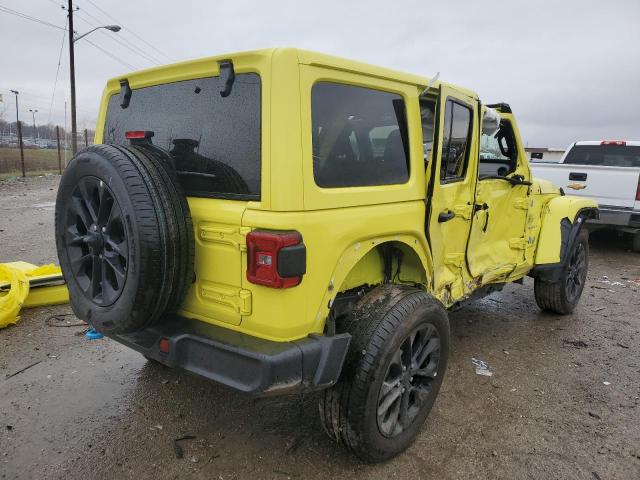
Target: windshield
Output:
[
  {"x": 214, "y": 140},
  {"x": 607, "y": 155}
]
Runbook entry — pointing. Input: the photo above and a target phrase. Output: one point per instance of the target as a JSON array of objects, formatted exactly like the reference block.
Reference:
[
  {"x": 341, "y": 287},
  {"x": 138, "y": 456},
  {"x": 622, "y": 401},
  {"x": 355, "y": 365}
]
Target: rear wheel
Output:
[
  {"x": 563, "y": 295},
  {"x": 392, "y": 373}
]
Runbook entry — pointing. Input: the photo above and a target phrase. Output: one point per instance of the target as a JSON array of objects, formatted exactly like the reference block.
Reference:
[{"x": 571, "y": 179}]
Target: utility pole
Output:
[
  {"x": 33, "y": 112},
  {"x": 59, "y": 156},
  {"x": 72, "y": 70},
  {"x": 72, "y": 74},
  {"x": 19, "y": 134}
]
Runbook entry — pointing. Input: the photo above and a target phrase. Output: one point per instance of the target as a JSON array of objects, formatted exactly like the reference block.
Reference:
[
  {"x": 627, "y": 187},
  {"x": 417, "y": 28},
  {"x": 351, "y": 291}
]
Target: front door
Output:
[
  {"x": 450, "y": 205},
  {"x": 497, "y": 243}
]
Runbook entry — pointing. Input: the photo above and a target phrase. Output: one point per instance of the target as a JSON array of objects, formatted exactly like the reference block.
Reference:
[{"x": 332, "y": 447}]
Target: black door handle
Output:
[
  {"x": 480, "y": 206},
  {"x": 446, "y": 216},
  {"x": 579, "y": 176}
]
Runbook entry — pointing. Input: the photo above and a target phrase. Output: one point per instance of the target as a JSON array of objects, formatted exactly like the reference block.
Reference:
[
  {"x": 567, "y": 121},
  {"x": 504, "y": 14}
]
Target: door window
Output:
[
  {"x": 498, "y": 153},
  {"x": 455, "y": 142}
]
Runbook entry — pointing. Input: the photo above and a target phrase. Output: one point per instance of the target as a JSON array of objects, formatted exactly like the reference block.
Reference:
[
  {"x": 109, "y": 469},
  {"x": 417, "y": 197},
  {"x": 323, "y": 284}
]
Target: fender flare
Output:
[{"x": 569, "y": 232}]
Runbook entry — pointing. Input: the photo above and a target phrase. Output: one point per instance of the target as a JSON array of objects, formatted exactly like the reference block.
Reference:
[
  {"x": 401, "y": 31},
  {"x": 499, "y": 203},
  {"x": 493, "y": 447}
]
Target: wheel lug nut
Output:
[
  {"x": 404, "y": 368},
  {"x": 403, "y": 390},
  {"x": 411, "y": 379},
  {"x": 104, "y": 229}
]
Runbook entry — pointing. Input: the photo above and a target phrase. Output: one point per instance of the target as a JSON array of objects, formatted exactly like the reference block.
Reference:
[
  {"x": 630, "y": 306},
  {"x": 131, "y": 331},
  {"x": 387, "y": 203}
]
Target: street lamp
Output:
[
  {"x": 19, "y": 128},
  {"x": 113, "y": 28},
  {"x": 33, "y": 112},
  {"x": 72, "y": 71}
]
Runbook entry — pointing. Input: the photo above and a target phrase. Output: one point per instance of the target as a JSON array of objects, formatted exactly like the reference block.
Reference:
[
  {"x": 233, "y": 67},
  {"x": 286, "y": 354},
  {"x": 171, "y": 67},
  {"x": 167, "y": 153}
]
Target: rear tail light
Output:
[
  {"x": 275, "y": 259},
  {"x": 638, "y": 190},
  {"x": 620, "y": 143},
  {"x": 164, "y": 345}
]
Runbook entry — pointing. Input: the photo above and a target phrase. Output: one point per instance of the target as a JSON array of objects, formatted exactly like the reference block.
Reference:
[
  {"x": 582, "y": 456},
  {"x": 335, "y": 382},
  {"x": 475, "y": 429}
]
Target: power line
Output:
[
  {"x": 131, "y": 31},
  {"x": 109, "y": 54},
  {"x": 117, "y": 40},
  {"x": 28, "y": 17},
  {"x": 55, "y": 83},
  {"x": 120, "y": 39}
]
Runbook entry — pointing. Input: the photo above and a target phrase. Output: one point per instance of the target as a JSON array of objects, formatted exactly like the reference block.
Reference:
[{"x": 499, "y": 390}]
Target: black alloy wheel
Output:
[
  {"x": 576, "y": 272},
  {"x": 96, "y": 241},
  {"x": 409, "y": 380}
]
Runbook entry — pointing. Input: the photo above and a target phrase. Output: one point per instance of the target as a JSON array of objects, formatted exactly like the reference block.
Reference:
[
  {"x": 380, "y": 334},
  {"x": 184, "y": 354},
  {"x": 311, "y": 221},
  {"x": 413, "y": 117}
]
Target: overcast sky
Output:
[{"x": 570, "y": 69}]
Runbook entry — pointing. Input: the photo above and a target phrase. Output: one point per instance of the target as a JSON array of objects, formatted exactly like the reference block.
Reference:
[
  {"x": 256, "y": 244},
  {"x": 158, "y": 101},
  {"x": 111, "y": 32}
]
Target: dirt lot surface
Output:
[{"x": 563, "y": 401}]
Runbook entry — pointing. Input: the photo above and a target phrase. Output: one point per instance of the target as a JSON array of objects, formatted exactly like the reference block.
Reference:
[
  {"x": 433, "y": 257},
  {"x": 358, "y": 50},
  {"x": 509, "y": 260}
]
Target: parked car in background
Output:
[{"x": 607, "y": 171}]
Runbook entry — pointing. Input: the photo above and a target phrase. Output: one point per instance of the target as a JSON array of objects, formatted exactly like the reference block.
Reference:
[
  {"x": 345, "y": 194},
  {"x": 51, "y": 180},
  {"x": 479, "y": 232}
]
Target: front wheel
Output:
[
  {"x": 563, "y": 295},
  {"x": 392, "y": 374}
]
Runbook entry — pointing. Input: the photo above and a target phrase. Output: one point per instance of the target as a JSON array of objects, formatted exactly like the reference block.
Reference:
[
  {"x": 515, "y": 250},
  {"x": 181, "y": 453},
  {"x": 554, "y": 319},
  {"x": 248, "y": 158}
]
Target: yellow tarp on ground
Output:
[{"x": 25, "y": 285}]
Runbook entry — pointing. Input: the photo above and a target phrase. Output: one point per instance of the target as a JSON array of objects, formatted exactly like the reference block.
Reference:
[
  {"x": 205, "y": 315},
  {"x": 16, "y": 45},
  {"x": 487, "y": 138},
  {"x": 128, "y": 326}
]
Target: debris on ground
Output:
[
  {"x": 574, "y": 343},
  {"x": 482, "y": 368},
  {"x": 594, "y": 415},
  {"x": 607, "y": 383},
  {"x": 93, "y": 334},
  {"x": 177, "y": 448},
  {"x": 24, "y": 285},
  {"x": 23, "y": 369},
  {"x": 60, "y": 320}
]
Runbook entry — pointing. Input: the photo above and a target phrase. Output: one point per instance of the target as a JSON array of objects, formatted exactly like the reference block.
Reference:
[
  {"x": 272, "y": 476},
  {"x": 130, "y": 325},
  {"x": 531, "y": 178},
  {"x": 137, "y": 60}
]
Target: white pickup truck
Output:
[{"x": 606, "y": 171}]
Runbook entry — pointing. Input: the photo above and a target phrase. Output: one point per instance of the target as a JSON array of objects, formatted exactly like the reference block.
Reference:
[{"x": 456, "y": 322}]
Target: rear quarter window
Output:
[
  {"x": 213, "y": 140},
  {"x": 359, "y": 136}
]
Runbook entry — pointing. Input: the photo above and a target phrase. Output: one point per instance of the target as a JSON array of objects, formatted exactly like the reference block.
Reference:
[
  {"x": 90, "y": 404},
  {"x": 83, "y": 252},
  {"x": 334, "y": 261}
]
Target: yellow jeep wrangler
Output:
[{"x": 283, "y": 221}]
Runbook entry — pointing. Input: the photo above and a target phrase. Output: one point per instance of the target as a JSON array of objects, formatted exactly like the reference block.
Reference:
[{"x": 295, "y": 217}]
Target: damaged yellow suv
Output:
[{"x": 283, "y": 221}]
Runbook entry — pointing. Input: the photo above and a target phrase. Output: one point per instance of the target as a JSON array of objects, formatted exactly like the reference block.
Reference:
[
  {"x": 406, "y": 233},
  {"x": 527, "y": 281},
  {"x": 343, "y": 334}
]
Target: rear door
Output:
[
  {"x": 451, "y": 187},
  {"x": 215, "y": 144}
]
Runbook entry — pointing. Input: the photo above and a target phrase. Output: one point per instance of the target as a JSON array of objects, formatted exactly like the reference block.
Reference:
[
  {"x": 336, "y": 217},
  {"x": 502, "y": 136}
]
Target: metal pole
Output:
[
  {"x": 86, "y": 139},
  {"x": 66, "y": 135},
  {"x": 24, "y": 174},
  {"x": 19, "y": 133},
  {"x": 33, "y": 112},
  {"x": 59, "y": 156},
  {"x": 72, "y": 75}
]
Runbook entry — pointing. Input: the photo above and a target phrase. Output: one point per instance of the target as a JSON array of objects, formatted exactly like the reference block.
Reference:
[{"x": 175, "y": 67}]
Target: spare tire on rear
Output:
[{"x": 124, "y": 237}]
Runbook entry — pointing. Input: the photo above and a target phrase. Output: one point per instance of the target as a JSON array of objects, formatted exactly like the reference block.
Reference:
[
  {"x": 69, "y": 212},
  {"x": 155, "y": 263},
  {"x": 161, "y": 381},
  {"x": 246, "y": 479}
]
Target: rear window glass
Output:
[
  {"x": 359, "y": 136},
  {"x": 214, "y": 140},
  {"x": 607, "y": 155}
]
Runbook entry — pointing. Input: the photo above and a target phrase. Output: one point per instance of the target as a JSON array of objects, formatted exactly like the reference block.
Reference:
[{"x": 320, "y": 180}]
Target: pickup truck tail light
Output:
[
  {"x": 638, "y": 190},
  {"x": 275, "y": 259}
]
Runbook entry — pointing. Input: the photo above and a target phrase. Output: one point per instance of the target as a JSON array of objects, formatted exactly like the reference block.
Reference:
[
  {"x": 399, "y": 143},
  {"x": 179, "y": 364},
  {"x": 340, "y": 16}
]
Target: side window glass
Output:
[
  {"x": 498, "y": 154},
  {"x": 359, "y": 136},
  {"x": 455, "y": 142},
  {"x": 428, "y": 119}
]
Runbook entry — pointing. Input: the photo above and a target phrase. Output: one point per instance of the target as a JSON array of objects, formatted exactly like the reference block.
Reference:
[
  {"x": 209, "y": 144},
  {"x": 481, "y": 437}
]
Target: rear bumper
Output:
[
  {"x": 617, "y": 217},
  {"x": 243, "y": 362}
]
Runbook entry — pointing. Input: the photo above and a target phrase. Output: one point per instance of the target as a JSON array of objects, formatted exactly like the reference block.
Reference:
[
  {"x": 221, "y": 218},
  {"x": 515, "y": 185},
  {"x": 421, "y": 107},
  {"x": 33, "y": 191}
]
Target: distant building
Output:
[{"x": 543, "y": 154}]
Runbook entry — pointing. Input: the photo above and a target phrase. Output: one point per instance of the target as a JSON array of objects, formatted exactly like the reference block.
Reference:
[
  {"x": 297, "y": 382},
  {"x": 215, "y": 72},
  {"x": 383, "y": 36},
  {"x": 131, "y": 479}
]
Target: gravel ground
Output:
[{"x": 563, "y": 401}]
